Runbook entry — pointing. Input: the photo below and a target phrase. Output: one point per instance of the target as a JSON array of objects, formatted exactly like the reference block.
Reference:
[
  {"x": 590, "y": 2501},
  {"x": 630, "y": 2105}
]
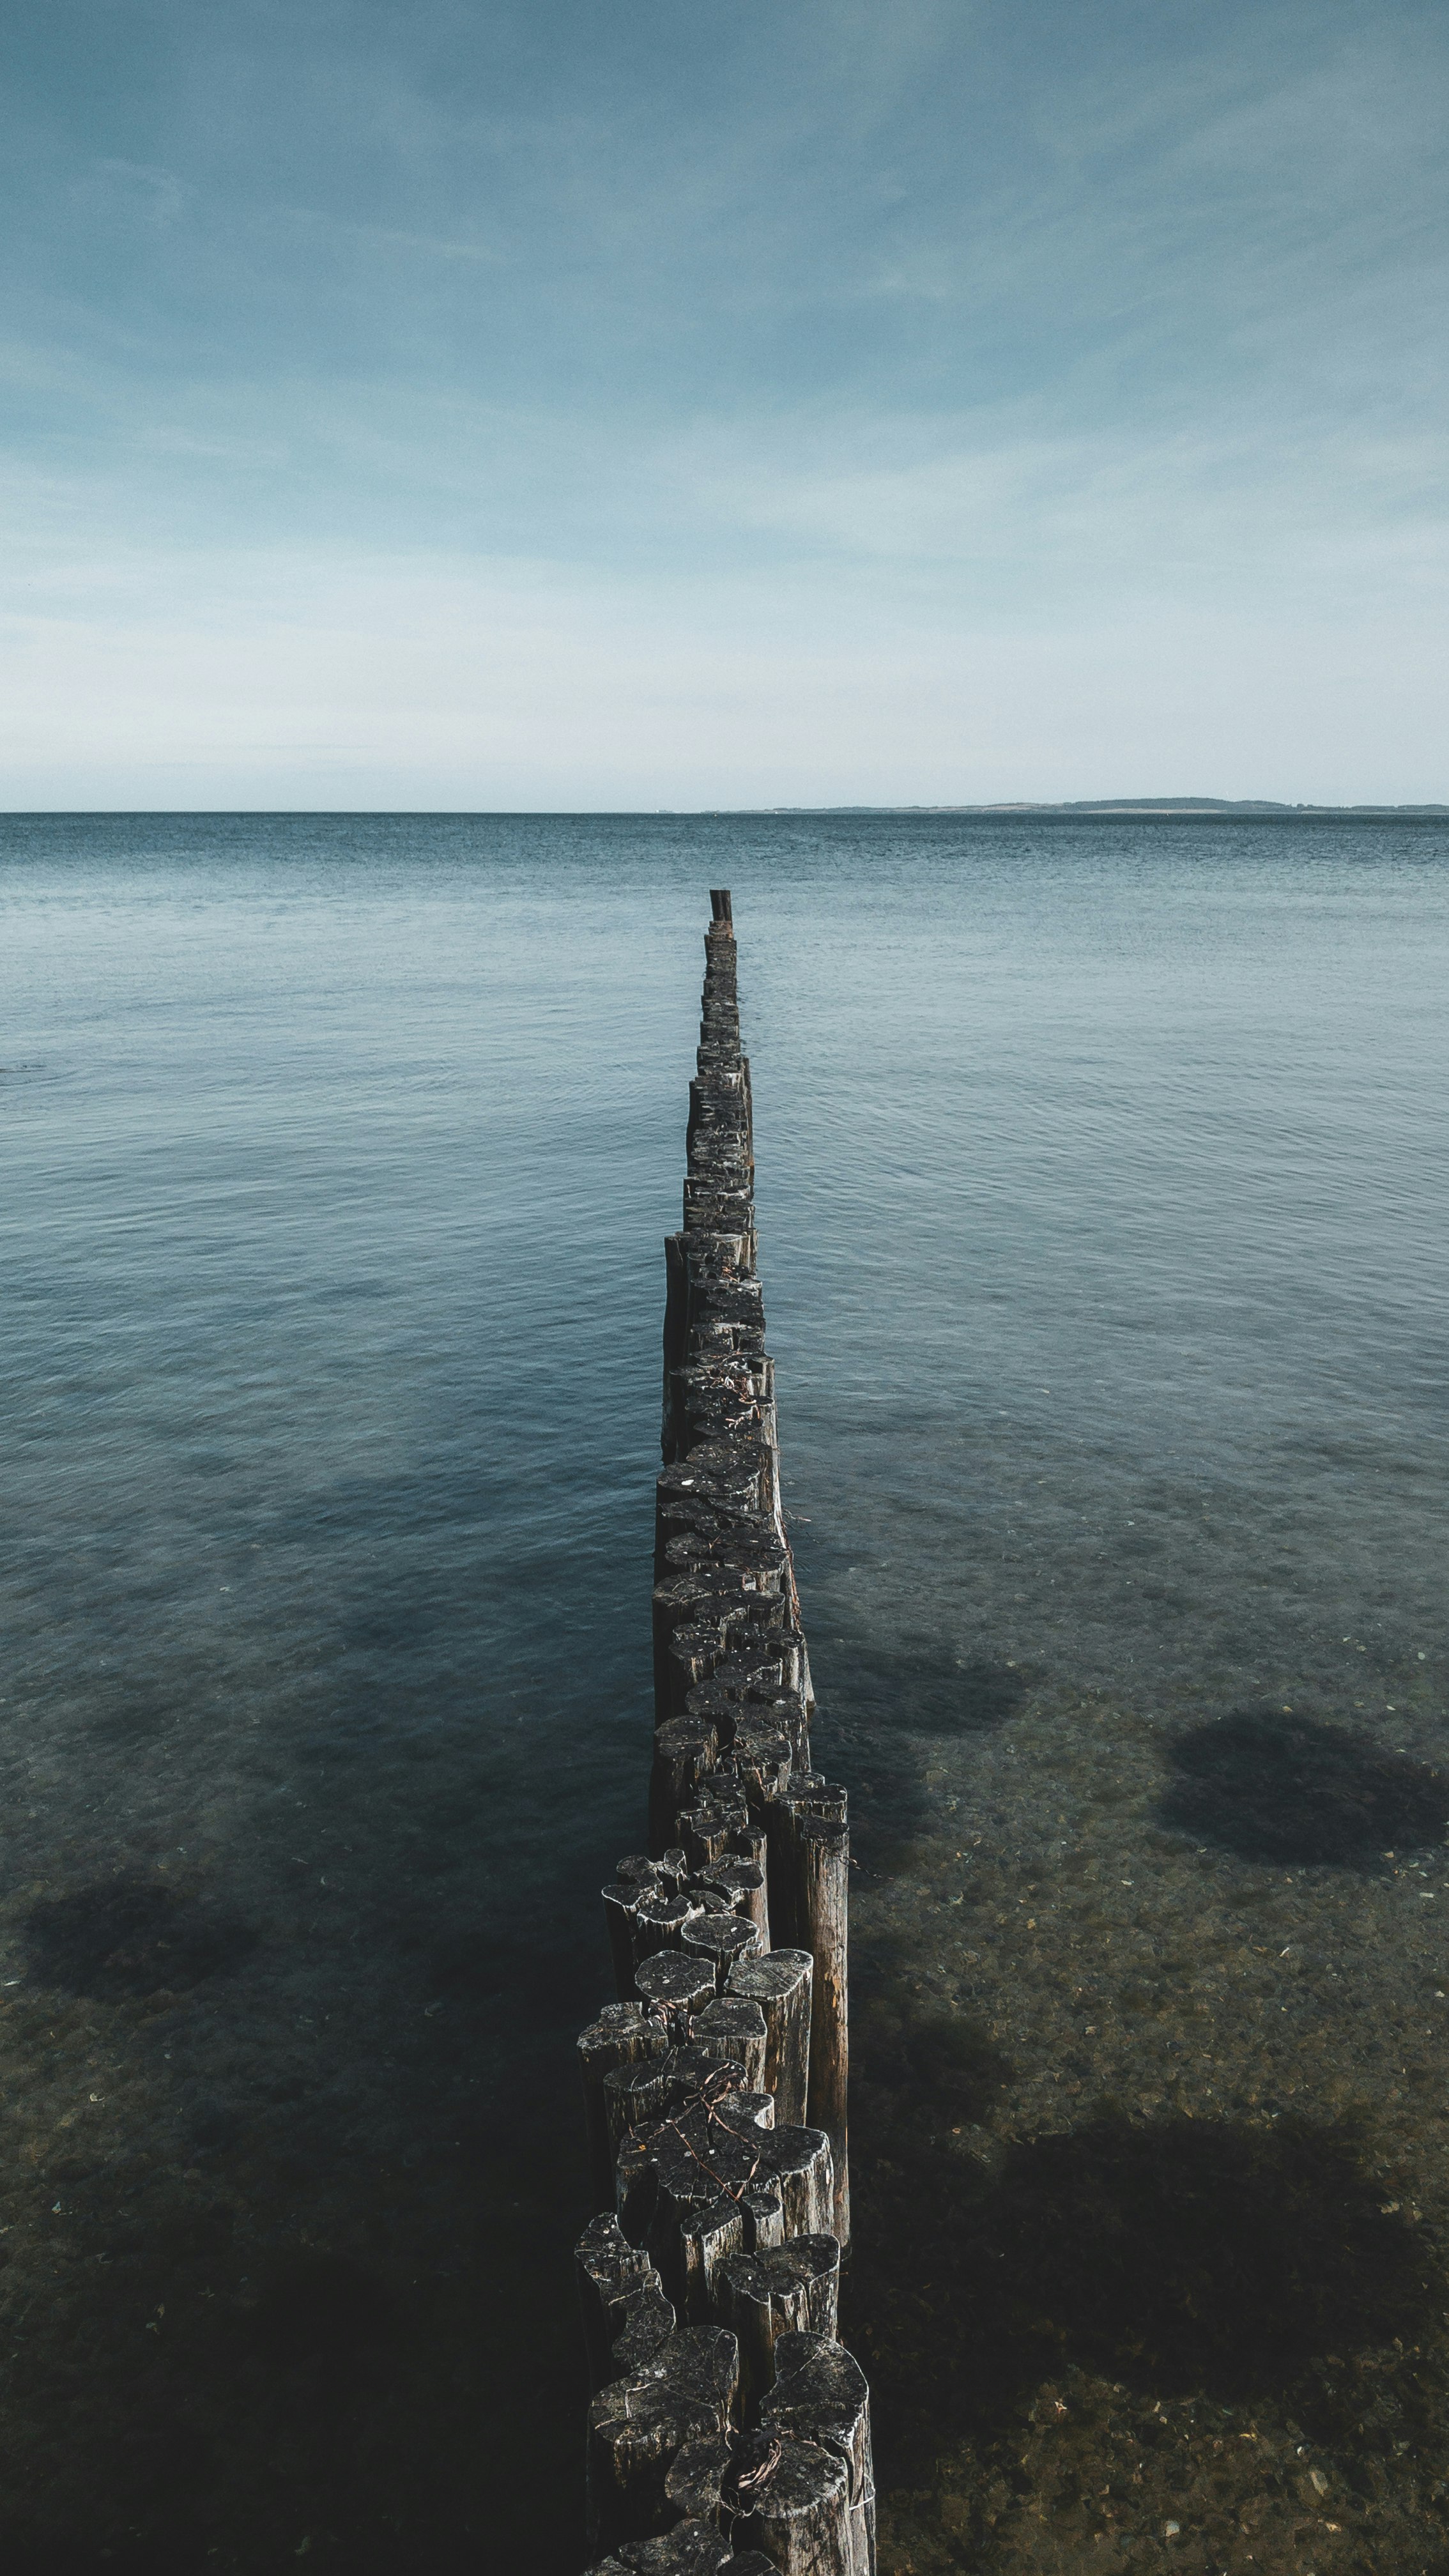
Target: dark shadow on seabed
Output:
[
  {"x": 1057, "y": 2326},
  {"x": 259, "y": 2335},
  {"x": 296, "y": 2156},
  {"x": 1179, "y": 2256},
  {"x": 1279, "y": 1787},
  {"x": 903, "y": 1697},
  {"x": 127, "y": 1936},
  {"x": 1142, "y": 2125}
]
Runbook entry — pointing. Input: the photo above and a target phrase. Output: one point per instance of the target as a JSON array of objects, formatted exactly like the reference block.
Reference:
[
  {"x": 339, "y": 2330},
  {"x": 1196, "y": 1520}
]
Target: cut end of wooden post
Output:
[{"x": 719, "y": 904}]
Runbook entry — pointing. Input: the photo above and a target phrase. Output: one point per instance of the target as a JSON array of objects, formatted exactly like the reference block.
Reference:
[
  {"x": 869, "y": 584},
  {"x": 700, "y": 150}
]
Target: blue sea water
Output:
[{"x": 1104, "y": 1236}]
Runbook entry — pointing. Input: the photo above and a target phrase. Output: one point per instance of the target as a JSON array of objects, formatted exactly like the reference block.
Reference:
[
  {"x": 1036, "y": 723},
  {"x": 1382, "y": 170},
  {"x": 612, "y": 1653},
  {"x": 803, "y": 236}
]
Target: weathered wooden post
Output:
[
  {"x": 690, "y": 2549},
  {"x": 820, "y": 2395},
  {"x": 733, "y": 2027},
  {"x": 675, "y": 1981},
  {"x": 781, "y": 1985},
  {"x": 743, "y": 1881},
  {"x": 805, "y": 1793},
  {"x": 660, "y": 1920},
  {"x": 621, "y": 1900},
  {"x": 725, "y": 1938},
  {"x": 639, "y": 2424},
  {"x": 768, "y": 2490},
  {"x": 613, "y": 2276},
  {"x": 792, "y": 2289},
  {"x": 624, "y": 2035},
  {"x": 684, "y": 1749}
]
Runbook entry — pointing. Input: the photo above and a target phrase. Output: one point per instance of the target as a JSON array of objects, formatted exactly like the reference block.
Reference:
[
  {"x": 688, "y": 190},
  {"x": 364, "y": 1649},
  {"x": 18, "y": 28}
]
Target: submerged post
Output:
[{"x": 716, "y": 2086}]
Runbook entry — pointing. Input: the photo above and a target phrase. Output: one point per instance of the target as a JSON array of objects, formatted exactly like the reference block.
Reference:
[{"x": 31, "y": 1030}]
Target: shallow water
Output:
[{"x": 1103, "y": 1233}]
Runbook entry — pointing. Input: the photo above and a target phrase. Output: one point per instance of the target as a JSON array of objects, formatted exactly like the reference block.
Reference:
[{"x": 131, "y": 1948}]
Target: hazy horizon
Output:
[
  {"x": 532, "y": 410},
  {"x": 1146, "y": 808}
]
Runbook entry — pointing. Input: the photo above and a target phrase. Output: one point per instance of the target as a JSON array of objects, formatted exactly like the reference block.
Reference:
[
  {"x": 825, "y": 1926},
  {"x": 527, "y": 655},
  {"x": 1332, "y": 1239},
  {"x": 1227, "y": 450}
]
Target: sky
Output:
[{"x": 538, "y": 405}]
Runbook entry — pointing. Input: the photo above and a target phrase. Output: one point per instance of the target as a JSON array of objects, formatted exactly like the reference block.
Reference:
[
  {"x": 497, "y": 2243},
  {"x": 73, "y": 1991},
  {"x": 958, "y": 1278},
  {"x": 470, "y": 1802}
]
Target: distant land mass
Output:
[{"x": 1119, "y": 805}]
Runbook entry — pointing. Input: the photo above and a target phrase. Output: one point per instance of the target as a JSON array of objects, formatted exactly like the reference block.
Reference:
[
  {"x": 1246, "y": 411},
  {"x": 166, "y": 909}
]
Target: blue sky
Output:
[{"x": 574, "y": 406}]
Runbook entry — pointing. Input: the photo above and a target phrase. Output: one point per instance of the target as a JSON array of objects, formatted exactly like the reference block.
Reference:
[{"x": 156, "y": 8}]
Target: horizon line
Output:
[{"x": 1146, "y": 807}]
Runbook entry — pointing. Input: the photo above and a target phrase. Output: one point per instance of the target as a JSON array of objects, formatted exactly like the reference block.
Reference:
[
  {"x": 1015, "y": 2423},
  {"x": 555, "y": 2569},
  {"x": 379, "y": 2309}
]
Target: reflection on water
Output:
[{"x": 1102, "y": 1229}]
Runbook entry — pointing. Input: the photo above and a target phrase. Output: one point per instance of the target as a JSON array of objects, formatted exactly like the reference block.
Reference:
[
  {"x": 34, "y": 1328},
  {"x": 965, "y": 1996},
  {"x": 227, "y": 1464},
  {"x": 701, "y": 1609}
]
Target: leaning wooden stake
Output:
[{"x": 824, "y": 1899}]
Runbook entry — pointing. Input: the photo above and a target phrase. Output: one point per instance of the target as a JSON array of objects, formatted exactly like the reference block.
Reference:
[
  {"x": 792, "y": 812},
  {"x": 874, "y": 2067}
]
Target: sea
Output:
[{"x": 1105, "y": 1236}]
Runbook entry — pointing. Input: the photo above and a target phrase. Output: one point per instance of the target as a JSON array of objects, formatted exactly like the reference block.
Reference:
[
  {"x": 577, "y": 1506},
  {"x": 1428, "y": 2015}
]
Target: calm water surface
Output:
[{"x": 1104, "y": 1236}]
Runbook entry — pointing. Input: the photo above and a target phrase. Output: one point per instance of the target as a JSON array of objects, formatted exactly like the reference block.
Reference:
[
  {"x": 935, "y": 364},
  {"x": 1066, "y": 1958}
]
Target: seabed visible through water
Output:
[{"x": 1151, "y": 2046}]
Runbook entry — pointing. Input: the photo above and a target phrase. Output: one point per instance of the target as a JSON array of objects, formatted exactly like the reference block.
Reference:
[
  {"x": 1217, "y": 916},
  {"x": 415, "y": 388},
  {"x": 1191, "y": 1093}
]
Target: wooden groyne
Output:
[{"x": 729, "y": 2429}]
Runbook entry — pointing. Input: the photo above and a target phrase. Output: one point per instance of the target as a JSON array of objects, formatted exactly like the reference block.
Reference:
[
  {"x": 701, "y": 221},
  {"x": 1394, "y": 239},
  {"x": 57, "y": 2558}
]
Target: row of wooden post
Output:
[{"x": 729, "y": 2429}]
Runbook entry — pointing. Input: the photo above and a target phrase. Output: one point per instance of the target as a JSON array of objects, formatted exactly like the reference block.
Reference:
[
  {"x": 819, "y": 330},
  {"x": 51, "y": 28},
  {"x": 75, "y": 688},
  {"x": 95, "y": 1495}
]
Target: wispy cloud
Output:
[{"x": 391, "y": 236}]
